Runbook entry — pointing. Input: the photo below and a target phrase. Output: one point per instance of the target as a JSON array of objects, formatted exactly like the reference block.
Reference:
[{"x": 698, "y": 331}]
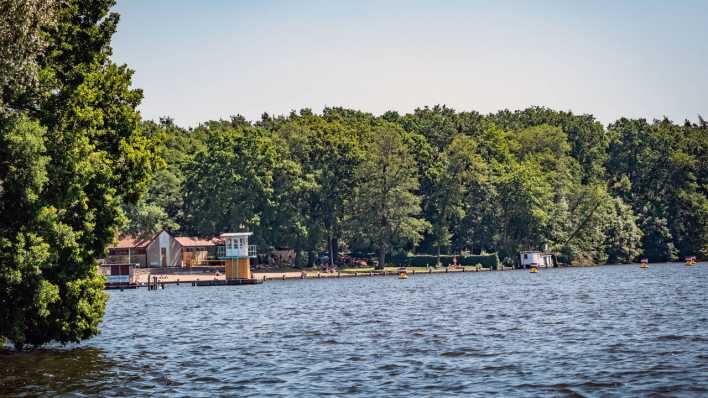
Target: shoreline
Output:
[
  {"x": 176, "y": 278},
  {"x": 141, "y": 279}
]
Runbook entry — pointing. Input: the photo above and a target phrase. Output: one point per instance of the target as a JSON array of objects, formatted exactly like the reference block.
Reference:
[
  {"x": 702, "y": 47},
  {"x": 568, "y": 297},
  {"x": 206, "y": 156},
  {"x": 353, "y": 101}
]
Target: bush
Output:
[{"x": 421, "y": 260}]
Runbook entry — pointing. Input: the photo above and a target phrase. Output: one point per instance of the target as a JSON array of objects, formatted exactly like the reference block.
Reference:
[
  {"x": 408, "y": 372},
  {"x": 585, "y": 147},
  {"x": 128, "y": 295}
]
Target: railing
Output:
[{"x": 249, "y": 251}]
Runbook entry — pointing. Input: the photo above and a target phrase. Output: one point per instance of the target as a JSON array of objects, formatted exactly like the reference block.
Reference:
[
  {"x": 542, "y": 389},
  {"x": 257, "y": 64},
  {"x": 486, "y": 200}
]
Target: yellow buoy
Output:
[{"x": 534, "y": 269}]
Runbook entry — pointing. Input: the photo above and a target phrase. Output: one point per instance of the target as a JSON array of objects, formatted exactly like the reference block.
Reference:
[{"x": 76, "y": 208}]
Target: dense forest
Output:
[{"x": 436, "y": 181}]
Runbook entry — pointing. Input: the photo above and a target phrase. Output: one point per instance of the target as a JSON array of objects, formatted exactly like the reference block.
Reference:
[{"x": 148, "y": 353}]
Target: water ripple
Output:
[{"x": 604, "y": 331}]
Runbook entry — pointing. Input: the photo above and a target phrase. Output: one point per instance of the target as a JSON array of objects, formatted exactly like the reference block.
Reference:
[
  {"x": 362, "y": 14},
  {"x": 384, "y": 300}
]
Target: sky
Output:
[{"x": 206, "y": 60}]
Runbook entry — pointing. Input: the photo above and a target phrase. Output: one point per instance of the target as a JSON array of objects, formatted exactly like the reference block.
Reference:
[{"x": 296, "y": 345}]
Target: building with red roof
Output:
[{"x": 164, "y": 250}]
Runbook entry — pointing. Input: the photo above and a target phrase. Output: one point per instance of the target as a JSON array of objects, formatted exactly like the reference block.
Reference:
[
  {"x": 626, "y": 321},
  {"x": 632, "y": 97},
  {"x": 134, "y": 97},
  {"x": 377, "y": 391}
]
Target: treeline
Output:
[{"x": 436, "y": 181}]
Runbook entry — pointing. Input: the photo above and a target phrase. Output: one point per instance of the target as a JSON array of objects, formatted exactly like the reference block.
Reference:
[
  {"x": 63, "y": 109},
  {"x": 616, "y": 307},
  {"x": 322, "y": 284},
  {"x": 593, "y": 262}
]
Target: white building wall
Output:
[
  {"x": 154, "y": 250},
  {"x": 528, "y": 258}
]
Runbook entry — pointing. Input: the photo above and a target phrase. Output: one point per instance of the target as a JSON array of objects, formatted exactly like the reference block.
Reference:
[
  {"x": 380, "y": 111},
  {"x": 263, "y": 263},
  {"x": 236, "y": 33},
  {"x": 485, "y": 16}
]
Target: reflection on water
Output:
[
  {"x": 54, "y": 371},
  {"x": 597, "y": 331}
]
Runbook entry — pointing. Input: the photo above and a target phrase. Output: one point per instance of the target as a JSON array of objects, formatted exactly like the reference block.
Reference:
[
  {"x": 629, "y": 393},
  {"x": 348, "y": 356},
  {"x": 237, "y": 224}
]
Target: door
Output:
[{"x": 163, "y": 256}]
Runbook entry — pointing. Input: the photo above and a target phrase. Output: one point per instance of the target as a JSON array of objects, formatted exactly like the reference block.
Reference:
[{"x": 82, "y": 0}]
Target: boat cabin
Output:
[{"x": 539, "y": 259}]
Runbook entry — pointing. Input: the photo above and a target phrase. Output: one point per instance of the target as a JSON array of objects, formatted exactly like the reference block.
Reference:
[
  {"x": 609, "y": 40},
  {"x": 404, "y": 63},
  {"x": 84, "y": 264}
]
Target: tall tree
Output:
[
  {"x": 329, "y": 153},
  {"x": 464, "y": 172},
  {"x": 80, "y": 129},
  {"x": 664, "y": 166},
  {"x": 240, "y": 179},
  {"x": 385, "y": 207},
  {"x": 525, "y": 199}
]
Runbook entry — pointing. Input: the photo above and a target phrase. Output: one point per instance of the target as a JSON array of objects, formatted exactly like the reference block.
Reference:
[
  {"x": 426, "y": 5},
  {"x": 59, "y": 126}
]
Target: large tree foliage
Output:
[
  {"x": 329, "y": 153},
  {"x": 240, "y": 180},
  {"x": 384, "y": 205},
  {"x": 71, "y": 153},
  {"x": 459, "y": 183},
  {"x": 660, "y": 169}
]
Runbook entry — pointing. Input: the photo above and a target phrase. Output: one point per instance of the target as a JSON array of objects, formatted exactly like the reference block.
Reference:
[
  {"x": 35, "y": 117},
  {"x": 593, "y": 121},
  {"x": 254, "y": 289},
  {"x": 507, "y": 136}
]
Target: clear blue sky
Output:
[{"x": 203, "y": 60}]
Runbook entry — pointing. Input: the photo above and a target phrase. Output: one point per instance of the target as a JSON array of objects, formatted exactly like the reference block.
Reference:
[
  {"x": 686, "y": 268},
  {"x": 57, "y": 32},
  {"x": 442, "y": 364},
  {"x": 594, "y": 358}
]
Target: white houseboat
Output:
[{"x": 529, "y": 259}]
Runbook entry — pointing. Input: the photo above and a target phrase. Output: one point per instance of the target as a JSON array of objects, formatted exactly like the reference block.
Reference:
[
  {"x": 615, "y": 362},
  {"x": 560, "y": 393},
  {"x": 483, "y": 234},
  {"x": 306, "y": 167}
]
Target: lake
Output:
[{"x": 600, "y": 331}]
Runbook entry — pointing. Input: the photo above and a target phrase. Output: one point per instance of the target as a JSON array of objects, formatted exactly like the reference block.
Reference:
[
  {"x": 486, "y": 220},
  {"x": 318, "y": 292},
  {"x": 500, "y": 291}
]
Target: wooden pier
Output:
[{"x": 228, "y": 282}]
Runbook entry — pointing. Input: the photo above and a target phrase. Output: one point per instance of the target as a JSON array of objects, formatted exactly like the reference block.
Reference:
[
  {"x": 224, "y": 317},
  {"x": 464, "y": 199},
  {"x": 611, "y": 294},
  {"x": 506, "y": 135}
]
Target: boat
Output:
[
  {"x": 533, "y": 269},
  {"x": 644, "y": 264},
  {"x": 402, "y": 273},
  {"x": 691, "y": 260},
  {"x": 527, "y": 259},
  {"x": 120, "y": 277}
]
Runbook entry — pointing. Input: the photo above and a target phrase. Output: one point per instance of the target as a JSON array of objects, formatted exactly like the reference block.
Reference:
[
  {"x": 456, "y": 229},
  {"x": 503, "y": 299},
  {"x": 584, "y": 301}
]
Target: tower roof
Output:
[{"x": 235, "y": 234}]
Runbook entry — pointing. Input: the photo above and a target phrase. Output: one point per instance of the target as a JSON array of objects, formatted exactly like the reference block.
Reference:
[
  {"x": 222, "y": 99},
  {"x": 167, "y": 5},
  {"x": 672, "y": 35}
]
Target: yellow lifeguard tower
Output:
[{"x": 237, "y": 256}]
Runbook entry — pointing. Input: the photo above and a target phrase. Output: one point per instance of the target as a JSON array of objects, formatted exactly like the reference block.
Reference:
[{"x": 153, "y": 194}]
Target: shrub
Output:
[{"x": 421, "y": 260}]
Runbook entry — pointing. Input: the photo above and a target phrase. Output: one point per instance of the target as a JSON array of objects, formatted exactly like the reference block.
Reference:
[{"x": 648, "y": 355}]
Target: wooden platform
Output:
[
  {"x": 229, "y": 282},
  {"x": 116, "y": 286}
]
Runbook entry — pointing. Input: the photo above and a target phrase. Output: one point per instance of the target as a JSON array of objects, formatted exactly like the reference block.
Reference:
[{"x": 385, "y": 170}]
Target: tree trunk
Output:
[
  {"x": 330, "y": 243},
  {"x": 382, "y": 255},
  {"x": 438, "y": 259},
  {"x": 335, "y": 249},
  {"x": 298, "y": 256}
]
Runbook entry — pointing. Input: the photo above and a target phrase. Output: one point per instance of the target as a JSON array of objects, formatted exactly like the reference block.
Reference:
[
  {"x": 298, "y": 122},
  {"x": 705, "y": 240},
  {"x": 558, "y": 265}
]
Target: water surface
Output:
[{"x": 601, "y": 331}]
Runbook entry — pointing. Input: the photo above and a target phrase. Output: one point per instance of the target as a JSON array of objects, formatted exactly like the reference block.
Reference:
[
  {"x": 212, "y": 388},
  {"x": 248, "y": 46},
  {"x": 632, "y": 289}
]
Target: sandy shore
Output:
[{"x": 142, "y": 278}]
